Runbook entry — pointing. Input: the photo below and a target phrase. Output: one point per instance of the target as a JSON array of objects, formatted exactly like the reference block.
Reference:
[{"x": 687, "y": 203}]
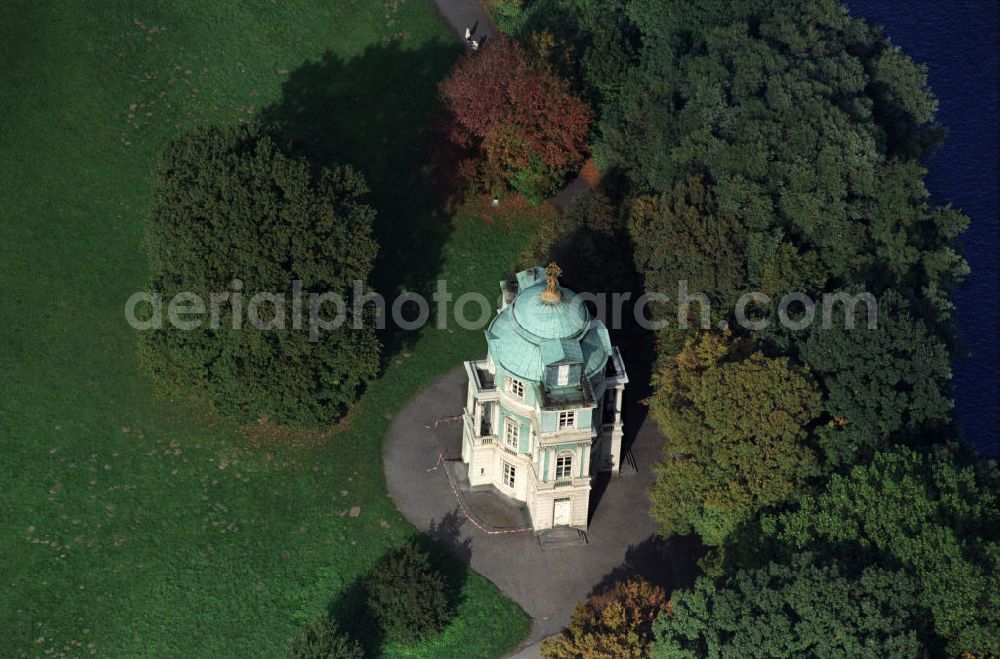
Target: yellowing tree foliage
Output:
[{"x": 735, "y": 423}]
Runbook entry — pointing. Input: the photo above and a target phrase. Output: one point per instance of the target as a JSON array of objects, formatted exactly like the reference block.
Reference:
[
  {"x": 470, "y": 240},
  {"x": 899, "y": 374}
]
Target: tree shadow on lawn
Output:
[
  {"x": 351, "y": 611},
  {"x": 375, "y": 112}
]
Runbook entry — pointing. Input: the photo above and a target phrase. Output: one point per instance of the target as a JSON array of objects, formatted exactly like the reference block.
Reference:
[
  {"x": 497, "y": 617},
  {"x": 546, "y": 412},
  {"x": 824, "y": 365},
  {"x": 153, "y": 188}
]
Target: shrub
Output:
[
  {"x": 407, "y": 596},
  {"x": 322, "y": 639},
  {"x": 617, "y": 623},
  {"x": 228, "y": 204}
]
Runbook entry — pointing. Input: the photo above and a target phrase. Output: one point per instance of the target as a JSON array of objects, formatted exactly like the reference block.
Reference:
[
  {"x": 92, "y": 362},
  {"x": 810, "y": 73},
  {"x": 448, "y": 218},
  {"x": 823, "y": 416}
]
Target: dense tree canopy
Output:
[
  {"x": 806, "y": 123},
  {"x": 735, "y": 423},
  {"x": 590, "y": 42},
  {"x": 890, "y": 381},
  {"x": 681, "y": 237},
  {"x": 898, "y": 557},
  {"x": 775, "y": 147},
  {"x": 229, "y": 205},
  {"x": 519, "y": 126},
  {"x": 929, "y": 515},
  {"x": 801, "y": 609},
  {"x": 778, "y": 147}
]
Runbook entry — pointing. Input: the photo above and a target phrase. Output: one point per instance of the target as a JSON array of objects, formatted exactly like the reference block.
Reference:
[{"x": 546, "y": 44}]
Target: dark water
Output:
[{"x": 958, "y": 41}]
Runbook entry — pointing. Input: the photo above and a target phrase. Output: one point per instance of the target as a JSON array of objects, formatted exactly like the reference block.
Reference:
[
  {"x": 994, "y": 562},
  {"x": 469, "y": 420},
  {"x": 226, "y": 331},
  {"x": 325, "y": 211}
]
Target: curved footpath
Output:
[{"x": 546, "y": 584}]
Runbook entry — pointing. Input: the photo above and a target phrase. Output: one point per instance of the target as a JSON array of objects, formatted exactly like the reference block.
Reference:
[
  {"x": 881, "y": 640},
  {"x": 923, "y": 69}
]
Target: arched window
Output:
[{"x": 564, "y": 466}]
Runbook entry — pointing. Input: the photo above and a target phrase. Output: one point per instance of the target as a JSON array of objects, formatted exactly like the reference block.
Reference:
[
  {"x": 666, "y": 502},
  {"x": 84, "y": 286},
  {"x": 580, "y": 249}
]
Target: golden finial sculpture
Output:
[{"x": 551, "y": 292}]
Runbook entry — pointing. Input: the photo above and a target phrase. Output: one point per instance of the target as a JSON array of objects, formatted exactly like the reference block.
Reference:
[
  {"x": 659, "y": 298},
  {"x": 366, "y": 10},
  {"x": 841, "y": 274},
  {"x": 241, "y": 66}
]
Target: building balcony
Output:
[
  {"x": 483, "y": 384},
  {"x": 583, "y": 436},
  {"x": 551, "y": 485},
  {"x": 482, "y": 438},
  {"x": 614, "y": 372}
]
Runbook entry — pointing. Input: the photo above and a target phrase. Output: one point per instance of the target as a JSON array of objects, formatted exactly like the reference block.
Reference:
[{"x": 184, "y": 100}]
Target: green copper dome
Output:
[
  {"x": 535, "y": 331},
  {"x": 562, "y": 319}
]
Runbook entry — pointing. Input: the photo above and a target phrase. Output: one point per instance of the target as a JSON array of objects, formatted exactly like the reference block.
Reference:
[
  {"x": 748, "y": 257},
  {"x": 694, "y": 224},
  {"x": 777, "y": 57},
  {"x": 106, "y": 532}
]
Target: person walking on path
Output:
[{"x": 471, "y": 32}]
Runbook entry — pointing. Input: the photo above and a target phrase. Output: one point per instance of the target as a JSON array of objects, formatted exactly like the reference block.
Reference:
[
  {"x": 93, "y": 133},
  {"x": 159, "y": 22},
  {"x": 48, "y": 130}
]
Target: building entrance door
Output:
[{"x": 562, "y": 512}]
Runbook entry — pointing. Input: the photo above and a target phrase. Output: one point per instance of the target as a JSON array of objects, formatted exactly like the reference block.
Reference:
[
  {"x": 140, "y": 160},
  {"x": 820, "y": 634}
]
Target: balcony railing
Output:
[
  {"x": 484, "y": 379},
  {"x": 478, "y": 439},
  {"x": 556, "y": 484},
  {"x": 614, "y": 372}
]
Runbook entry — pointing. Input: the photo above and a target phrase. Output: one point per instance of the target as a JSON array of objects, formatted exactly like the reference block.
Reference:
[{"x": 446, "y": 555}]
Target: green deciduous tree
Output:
[
  {"x": 227, "y": 205},
  {"x": 881, "y": 383},
  {"x": 591, "y": 42},
  {"x": 929, "y": 515},
  {"x": 793, "y": 610},
  {"x": 683, "y": 237},
  {"x": 807, "y": 125},
  {"x": 735, "y": 423},
  {"x": 407, "y": 596}
]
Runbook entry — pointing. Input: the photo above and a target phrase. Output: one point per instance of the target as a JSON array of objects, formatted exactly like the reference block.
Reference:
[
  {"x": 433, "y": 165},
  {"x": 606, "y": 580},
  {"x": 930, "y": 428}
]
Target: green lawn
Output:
[{"x": 138, "y": 526}]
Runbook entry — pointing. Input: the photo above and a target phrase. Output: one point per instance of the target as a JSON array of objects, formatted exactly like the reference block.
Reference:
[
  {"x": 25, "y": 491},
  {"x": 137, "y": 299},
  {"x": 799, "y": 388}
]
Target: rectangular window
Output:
[
  {"x": 508, "y": 475},
  {"x": 562, "y": 375},
  {"x": 511, "y": 433},
  {"x": 567, "y": 420},
  {"x": 564, "y": 466},
  {"x": 515, "y": 387}
]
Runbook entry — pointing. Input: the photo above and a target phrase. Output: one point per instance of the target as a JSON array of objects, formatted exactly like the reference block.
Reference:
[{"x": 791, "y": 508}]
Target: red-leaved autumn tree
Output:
[{"x": 521, "y": 127}]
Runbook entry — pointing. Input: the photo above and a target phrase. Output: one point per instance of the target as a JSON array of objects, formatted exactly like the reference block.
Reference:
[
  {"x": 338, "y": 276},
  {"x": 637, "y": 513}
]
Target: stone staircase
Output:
[{"x": 561, "y": 537}]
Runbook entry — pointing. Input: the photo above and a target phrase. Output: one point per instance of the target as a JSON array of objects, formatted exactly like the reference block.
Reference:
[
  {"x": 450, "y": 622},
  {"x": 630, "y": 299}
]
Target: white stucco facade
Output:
[{"x": 542, "y": 413}]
